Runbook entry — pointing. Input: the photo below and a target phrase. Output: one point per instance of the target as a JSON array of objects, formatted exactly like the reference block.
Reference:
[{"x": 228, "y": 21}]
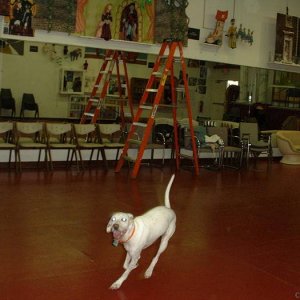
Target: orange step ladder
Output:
[
  {"x": 163, "y": 68},
  {"x": 99, "y": 97}
]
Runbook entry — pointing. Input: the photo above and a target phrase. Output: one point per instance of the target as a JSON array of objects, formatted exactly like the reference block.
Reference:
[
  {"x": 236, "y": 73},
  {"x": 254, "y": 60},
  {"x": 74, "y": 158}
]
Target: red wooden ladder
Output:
[
  {"x": 99, "y": 95},
  {"x": 163, "y": 68}
]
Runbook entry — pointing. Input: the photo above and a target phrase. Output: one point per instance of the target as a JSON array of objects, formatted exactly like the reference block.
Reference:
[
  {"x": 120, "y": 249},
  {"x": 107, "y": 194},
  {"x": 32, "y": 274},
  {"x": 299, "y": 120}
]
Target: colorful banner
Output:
[{"x": 116, "y": 19}]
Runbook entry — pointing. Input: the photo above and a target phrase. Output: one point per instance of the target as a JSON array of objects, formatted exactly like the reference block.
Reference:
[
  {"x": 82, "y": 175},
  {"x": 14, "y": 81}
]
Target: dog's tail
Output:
[{"x": 167, "y": 192}]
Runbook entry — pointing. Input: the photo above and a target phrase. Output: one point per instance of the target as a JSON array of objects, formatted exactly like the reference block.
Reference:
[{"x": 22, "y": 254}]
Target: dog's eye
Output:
[
  {"x": 113, "y": 218},
  {"x": 123, "y": 219}
]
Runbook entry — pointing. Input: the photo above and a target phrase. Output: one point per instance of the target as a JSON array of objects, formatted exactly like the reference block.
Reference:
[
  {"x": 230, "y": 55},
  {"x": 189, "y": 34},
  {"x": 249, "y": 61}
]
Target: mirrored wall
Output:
[{"x": 61, "y": 78}]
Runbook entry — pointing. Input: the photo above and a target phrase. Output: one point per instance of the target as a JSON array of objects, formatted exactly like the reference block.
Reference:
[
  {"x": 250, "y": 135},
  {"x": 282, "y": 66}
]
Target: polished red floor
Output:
[{"x": 237, "y": 237}]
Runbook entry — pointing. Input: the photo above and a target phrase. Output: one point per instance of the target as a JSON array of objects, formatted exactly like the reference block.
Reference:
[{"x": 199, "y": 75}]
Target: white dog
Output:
[{"x": 138, "y": 233}]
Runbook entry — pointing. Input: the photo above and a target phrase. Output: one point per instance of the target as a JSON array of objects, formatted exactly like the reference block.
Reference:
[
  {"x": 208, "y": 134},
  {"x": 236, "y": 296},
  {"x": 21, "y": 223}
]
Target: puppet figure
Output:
[
  {"x": 232, "y": 34},
  {"x": 129, "y": 25},
  {"x": 103, "y": 29}
]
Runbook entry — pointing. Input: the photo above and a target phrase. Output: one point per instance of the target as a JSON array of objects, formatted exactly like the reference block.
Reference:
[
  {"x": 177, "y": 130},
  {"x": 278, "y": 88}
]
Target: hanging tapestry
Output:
[
  {"x": 4, "y": 7},
  {"x": 171, "y": 20},
  {"x": 116, "y": 19},
  {"x": 21, "y": 13},
  {"x": 55, "y": 15}
]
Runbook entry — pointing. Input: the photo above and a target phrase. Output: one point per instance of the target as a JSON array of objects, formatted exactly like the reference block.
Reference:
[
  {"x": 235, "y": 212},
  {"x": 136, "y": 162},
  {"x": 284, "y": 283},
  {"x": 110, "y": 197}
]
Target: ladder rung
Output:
[
  {"x": 177, "y": 59},
  {"x": 128, "y": 158},
  {"x": 180, "y": 89},
  {"x": 135, "y": 142},
  {"x": 152, "y": 90},
  {"x": 94, "y": 100},
  {"x": 108, "y": 58},
  {"x": 116, "y": 98},
  {"x": 186, "y": 156},
  {"x": 111, "y": 105},
  {"x": 167, "y": 105},
  {"x": 146, "y": 107},
  {"x": 89, "y": 114},
  {"x": 103, "y": 72},
  {"x": 139, "y": 124},
  {"x": 157, "y": 74}
]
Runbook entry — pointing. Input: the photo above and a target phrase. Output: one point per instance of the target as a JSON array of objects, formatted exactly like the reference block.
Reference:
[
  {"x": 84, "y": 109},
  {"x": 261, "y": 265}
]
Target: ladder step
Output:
[
  {"x": 157, "y": 74},
  {"x": 167, "y": 105},
  {"x": 152, "y": 90},
  {"x": 89, "y": 114},
  {"x": 128, "y": 158},
  {"x": 112, "y": 105},
  {"x": 139, "y": 124},
  {"x": 108, "y": 58},
  {"x": 94, "y": 100},
  {"x": 114, "y": 98},
  {"x": 180, "y": 89},
  {"x": 186, "y": 156},
  {"x": 146, "y": 107},
  {"x": 103, "y": 72},
  {"x": 135, "y": 142}
]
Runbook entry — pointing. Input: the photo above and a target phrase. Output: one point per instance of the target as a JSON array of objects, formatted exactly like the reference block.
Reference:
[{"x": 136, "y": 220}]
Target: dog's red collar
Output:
[{"x": 132, "y": 233}]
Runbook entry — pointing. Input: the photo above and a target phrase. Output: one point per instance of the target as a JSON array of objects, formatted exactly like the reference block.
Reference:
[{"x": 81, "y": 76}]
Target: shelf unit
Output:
[
  {"x": 77, "y": 104},
  {"x": 285, "y": 91},
  {"x": 72, "y": 82}
]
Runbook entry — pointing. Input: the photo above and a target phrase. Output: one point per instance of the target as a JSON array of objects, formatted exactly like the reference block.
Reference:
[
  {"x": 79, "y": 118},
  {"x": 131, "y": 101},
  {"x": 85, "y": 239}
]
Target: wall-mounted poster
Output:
[
  {"x": 116, "y": 19},
  {"x": 20, "y": 17}
]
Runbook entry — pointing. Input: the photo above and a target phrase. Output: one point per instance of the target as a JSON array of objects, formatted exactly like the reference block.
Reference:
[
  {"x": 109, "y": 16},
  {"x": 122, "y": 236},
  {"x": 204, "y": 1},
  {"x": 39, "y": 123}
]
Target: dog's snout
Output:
[{"x": 116, "y": 226}]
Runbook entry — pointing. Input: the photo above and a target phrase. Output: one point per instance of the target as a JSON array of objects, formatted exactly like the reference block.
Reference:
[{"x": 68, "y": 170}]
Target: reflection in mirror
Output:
[{"x": 45, "y": 70}]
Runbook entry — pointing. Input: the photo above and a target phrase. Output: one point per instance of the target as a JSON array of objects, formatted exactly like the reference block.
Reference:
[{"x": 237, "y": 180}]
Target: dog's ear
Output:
[
  {"x": 109, "y": 225},
  {"x": 130, "y": 217}
]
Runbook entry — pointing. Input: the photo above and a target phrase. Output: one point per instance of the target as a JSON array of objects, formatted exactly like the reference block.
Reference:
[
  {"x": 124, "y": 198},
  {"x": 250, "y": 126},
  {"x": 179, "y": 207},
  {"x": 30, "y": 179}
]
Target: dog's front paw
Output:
[
  {"x": 148, "y": 273},
  {"x": 115, "y": 285}
]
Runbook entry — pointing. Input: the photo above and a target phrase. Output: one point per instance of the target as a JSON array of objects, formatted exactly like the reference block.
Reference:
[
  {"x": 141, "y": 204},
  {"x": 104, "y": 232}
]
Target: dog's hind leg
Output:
[{"x": 162, "y": 247}]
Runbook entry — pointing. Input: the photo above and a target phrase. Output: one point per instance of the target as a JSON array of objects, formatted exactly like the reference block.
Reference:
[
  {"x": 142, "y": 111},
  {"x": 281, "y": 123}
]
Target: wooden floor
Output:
[{"x": 237, "y": 236}]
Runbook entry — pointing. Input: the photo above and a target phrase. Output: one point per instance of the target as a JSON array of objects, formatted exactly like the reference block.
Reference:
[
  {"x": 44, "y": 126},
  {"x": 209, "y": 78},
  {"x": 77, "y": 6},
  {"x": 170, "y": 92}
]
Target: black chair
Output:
[
  {"x": 28, "y": 103},
  {"x": 7, "y": 101}
]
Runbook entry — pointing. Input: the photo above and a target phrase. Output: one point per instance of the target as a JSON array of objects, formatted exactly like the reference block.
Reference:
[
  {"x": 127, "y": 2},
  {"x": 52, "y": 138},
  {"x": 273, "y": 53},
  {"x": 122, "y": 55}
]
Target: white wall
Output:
[
  {"x": 259, "y": 16},
  {"x": 37, "y": 73}
]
